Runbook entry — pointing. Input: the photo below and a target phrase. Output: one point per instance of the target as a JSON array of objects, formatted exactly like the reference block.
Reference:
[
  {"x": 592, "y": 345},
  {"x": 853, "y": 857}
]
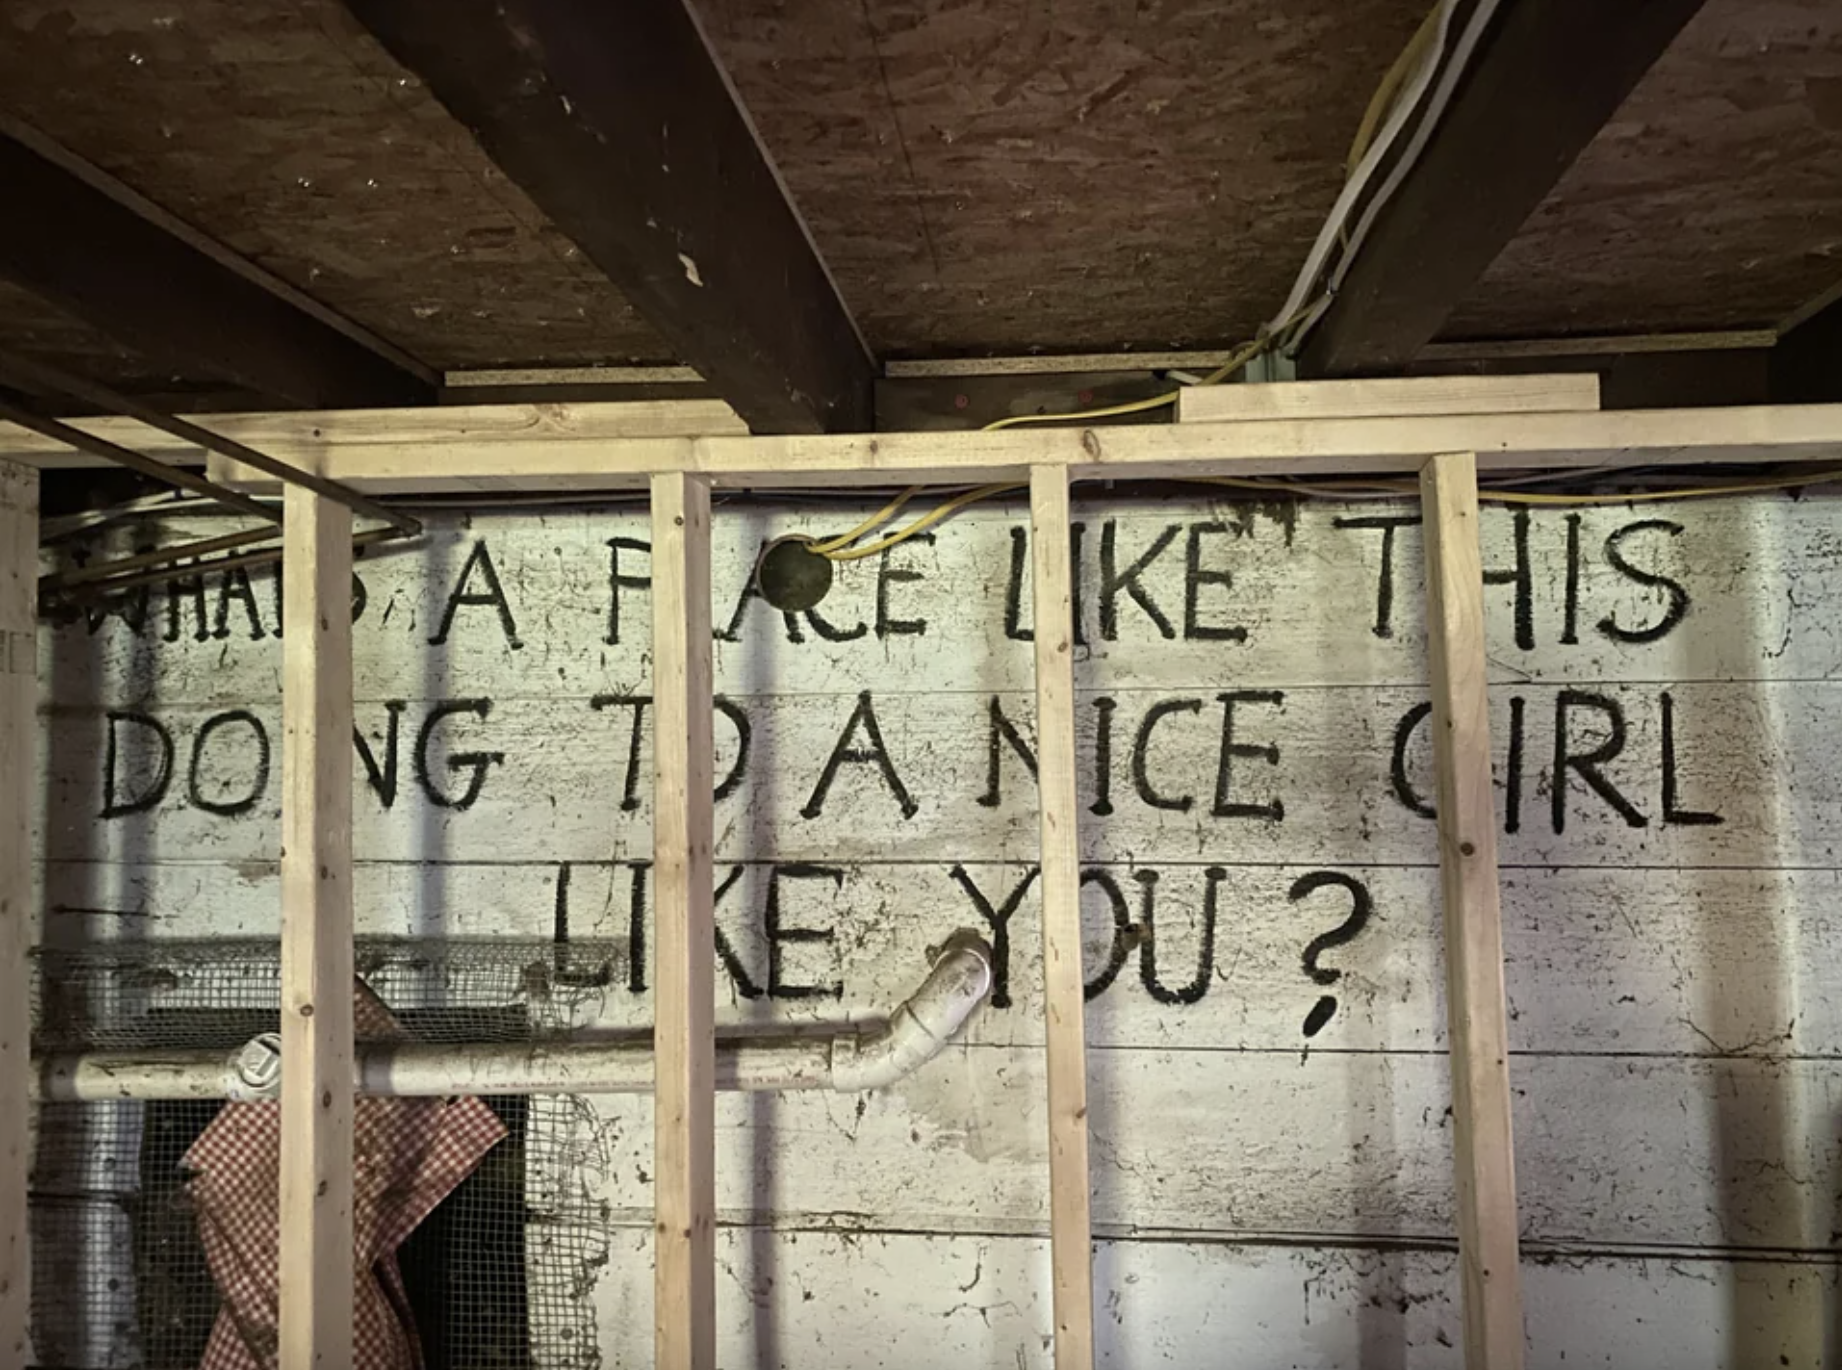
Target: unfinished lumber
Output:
[
  {"x": 590, "y": 447},
  {"x": 18, "y": 726},
  {"x": 316, "y": 1256},
  {"x": 1392, "y": 397},
  {"x": 684, "y": 1043},
  {"x": 1070, "y": 1223},
  {"x": 1476, "y": 1007}
]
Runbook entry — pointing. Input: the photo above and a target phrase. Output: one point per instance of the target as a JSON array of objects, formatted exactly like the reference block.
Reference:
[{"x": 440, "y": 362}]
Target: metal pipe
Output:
[
  {"x": 261, "y": 557},
  {"x": 102, "y": 570},
  {"x": 54, "y": 378},
  {"x": 135, "y": 461},
  {"x": 864, "y": 1058}
]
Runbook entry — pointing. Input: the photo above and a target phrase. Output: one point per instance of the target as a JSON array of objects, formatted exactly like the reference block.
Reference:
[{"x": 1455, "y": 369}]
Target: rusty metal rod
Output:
[
  {"x": 102, "y": 570},
  {"x": 262, "y": 556},
  {"x": 135, "y": 461},
  {"x": 40, "y": 375}
]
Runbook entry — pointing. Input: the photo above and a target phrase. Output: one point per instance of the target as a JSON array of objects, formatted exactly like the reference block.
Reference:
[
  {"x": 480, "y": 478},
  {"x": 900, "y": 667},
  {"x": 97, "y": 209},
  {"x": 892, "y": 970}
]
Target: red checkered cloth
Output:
[{"x": 407, "y": 1156}]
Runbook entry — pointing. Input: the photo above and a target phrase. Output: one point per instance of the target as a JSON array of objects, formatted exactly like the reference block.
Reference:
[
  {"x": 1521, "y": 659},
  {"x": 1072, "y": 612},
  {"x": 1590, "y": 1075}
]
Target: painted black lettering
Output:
[
  {"x": 1362, "y": 906},
  {"x": 234, "y": 585},
  {"x": 619, "y": 581},
  {"x": 636, "y": 734},
  {"x": 1570, "y": 607},
  {"x": 494, "y": 594},
  {"x": 1195, "y": 576},
  {"x": 259, "y": 779},
  {"x": 998, "y": 919},
  {"x": 177, "y": 591},
  {"x": 116, "y": 803},
  {"x": 636, "y": 928},
  {"x": 888, "y": 574},
  {"x": 1673, "y": 812},
  {"x": 1103, "y": 757},
  {"x": 1274, "y": 810},
  {"x": 828, "y": 630},
  {"x": 1020, "y": 572},
  {"x": 1586, "y": 764},
  {"x": 745, "y": 984},
  {"x": 1522, "y": 576},
  {"x": 1404, "y": 793},
  {"x": 732, "y": 631},
  {"x": 630, "y": 787},
  {"x": 129, "y": 606},
  {"x": 1013, "y": 588},
  {"x": 1124, "y": 933},
  {"x": 1113, "y": 580},
  {"x": 1141, "y": 748},
  {"x": 1002, "y": 731},
  {"x": 745, "y": 739},
  {"x": 476, "y": 764},
  {"x": 779, "y": 935},
  {"x": 1512, "y": 782},
  {"x": 864, "y": 717},
  {"x": 382, "y": 779},
  {"x": 1148, "y": 943},
  {"x": 1678, "y": 596},
  {"x": 1384, "y": 579}
]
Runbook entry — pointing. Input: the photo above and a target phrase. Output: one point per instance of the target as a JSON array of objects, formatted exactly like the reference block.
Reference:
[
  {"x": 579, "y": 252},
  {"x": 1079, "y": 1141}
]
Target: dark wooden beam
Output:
[
  {"x": 1546, "y": 77},
  {"x": 1807, "y": 361},
  {"x": 618, "y": 121},
  {"x": 89, "y": 245}
]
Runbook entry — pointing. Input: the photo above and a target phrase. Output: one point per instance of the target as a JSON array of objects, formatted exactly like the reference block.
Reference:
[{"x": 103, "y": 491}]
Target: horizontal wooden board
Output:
[
  {"x": 1607, "y": 961},
  {"x": 843, "y": 1301}
]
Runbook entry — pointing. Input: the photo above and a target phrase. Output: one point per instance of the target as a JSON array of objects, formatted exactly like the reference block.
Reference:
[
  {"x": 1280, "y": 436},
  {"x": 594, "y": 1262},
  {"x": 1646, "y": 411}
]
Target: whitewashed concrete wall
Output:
[{"x": 1271, "y": 1146}]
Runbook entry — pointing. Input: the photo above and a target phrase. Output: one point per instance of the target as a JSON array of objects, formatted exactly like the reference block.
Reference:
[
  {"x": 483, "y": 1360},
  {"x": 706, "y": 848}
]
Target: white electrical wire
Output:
[
  {"x": 1403, "y": 108},
  {"x": 1436, "y": 107}
]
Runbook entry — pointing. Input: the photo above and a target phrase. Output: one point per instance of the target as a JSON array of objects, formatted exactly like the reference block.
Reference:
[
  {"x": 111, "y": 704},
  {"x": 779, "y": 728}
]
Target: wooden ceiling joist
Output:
[
  {"x": 89, "y": 245},
  {"x": 1806, "y": 362},
  {"x": 620, "y": 123},
  {"x": 1542, "y": 82}
]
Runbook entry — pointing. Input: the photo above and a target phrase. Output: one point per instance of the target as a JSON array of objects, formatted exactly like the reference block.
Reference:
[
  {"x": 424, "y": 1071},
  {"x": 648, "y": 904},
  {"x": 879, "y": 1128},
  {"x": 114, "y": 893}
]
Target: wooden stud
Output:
[
  {"x": 316, "y": 934},
  {"x": 494, "y": 449},
  {"x": 684, "y": 1044},
  {"x": 1070, "y": 1224},
  {"x": 1389, "y": 398},
  {"x": 18, "y": 728},
  {"x": 1477, "y": 1011}
]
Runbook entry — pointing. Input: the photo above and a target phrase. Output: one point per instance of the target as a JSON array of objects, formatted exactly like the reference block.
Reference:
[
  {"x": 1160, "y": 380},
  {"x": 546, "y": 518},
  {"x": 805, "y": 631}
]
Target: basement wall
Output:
[{"x": 1269, "y": 1093}]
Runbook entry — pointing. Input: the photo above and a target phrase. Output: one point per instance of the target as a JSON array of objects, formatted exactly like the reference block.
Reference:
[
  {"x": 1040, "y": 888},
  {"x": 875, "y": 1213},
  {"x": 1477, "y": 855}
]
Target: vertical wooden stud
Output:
[
  {"x": 316, "y": 934},
  {"x": 1475, "y": 1000},
  {"x": 684, "y": 1045},
  {"x": 18, "y": 697},
  {"x": 1070, "y": 1227}
]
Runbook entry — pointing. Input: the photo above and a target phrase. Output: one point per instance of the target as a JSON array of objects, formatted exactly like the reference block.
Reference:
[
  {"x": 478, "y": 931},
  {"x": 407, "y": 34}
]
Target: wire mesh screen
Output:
[{"x": 499, "y": 1277}]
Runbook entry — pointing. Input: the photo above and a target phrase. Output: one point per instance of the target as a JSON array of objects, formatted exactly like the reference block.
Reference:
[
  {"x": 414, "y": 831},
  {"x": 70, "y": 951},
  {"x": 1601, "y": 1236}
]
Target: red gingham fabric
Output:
[{"x": 407, "y": 1156}]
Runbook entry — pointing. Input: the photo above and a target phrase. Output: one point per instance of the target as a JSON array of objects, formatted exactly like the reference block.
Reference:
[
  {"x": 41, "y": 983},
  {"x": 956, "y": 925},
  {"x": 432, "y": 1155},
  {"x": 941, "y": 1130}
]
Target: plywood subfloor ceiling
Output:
[{"x": 983, "y": 176}]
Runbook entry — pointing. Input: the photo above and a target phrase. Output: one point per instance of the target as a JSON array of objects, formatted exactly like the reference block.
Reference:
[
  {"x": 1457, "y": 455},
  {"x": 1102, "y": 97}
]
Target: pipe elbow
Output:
[{"x": 960, "y": 981}]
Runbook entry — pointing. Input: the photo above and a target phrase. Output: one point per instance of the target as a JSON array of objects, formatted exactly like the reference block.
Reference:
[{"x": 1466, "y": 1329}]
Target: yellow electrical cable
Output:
[
  {"x": 1385, "y": 93},
  {"x": 928, "y": 520},
  {"x": 875, "y": 521}
]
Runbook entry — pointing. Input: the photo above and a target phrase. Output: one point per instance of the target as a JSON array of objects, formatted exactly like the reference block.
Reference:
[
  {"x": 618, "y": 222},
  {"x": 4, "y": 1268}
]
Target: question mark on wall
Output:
[{"x": 1362, "y": 905}]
